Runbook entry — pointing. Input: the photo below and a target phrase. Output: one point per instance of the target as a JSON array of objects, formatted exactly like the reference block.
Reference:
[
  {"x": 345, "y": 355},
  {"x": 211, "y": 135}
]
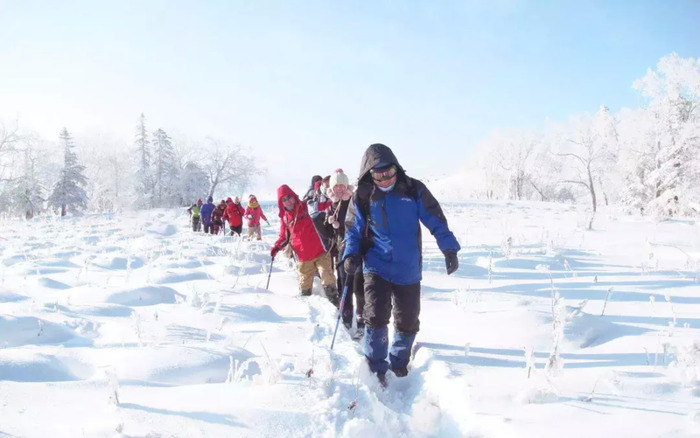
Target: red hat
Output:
[{"x": 228, "y": 200}]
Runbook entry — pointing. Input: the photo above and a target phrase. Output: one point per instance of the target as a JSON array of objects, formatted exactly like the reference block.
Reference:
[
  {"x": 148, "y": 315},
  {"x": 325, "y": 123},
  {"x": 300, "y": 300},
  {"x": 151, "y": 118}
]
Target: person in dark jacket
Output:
[
  {"x": 389, "y": 207},
  {"x": 310, "y": 196},
  {"x": 217, "y": 217},
  {"x": 339, "y": 217},
  {"x": 205, "y": 212}
]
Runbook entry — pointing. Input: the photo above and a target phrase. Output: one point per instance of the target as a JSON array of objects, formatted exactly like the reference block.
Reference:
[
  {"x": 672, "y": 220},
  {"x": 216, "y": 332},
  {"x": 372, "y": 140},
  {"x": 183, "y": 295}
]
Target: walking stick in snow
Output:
[
  {"x": 340, "y": 312},
  {"x": 272, "y": 260}
]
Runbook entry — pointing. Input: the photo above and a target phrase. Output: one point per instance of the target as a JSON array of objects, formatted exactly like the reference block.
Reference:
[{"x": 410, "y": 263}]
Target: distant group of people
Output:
[
  {"x": 371, "y": 238},
  {"x": 214, "y": 217}
]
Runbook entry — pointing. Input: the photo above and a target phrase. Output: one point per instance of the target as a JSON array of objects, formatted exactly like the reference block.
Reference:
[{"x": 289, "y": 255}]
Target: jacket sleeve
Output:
[
  {"x": 262, "y": 215},
  {"x": 353, "y": 233},
  {"x": 432, "y": 217},
  {"x": 241, "y": 209}
]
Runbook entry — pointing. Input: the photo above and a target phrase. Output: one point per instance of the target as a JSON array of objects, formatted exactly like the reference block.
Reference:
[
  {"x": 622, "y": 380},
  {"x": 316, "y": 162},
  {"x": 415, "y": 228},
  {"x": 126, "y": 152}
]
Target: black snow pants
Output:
[{"x": 381, "y": 297}]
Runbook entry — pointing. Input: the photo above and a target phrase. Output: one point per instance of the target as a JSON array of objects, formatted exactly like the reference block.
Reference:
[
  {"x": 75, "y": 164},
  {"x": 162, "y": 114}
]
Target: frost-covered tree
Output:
[
  {"x": 165, "y": 174},
  {"x": 229, "y": 166},
  {"x": 194, "y": 183},
  {"x": 26, "y": 196},
  {"x": 588, "y": 146},
  {"x": 672, "y": 94},
  {"x": 68, "y": 193},
  {"x": 144, "y": 178}
]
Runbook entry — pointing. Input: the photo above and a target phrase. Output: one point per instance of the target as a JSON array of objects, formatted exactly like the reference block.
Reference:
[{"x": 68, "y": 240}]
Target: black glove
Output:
[
  {"x": 451, "y": 262},
  {"x": 352, "y": 263}
]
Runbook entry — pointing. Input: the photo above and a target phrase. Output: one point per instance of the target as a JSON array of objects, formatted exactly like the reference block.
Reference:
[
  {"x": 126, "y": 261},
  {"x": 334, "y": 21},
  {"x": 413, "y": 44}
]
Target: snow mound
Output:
[
  {"x": 162, "y": 229},
  {"x": 588, "y": 330},
  {"x": 22, "y": 330},
  {"x": 176, "y": 365},
  {"x": 118, "y": 263},
  {"x": 9, "y": 261},
  {"x": 52, "y": 284},
  {"x": 31, "y": 366},
  {"x": 144, "y": 296},
  {"x": 9, "y": 297},
  {"x": 247, "y": 313},
  {"x": 181, "y": 278}
]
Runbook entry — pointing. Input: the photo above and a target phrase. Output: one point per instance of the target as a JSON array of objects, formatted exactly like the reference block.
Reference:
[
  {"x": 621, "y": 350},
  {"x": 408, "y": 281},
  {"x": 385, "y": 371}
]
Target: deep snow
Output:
[{"x": 130, "y": 325}]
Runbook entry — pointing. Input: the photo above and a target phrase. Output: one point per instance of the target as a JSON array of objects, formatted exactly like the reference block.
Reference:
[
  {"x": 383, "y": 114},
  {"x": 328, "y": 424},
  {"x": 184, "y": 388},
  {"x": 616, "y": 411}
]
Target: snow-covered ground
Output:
[{"x": 132, "y": 326}]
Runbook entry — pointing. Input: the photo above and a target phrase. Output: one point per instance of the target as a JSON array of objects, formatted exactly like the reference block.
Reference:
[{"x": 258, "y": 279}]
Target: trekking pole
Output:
[
  {"x": 272, "y": 260},
  {"x": 340, "y": 312}
]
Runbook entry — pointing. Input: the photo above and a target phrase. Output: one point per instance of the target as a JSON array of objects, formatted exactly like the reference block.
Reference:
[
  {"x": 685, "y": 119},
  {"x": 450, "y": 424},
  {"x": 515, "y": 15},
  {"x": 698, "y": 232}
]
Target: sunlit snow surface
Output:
[{"x": 130, "y": 325}]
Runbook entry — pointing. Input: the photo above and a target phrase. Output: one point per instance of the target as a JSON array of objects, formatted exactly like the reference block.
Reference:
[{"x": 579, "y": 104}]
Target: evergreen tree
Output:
[
  {"x": 165, "y": 175},
  {"x": 69, "y": 192},
  {"x": 144, "y": 180},
  {"x": 27, "y": 194}
]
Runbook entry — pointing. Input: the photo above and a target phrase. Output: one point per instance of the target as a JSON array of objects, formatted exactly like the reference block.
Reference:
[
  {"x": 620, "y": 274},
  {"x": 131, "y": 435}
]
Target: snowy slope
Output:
[{"x": 132, "y": 326}]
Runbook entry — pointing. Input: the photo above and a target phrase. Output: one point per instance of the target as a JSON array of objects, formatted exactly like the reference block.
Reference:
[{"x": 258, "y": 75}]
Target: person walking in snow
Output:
[
  {"x": 217, "y": 221},
  {"x": 298, "y": 230},
  {"x": 310, "y": 196},
  {"x": 205, "y": 212},
  {"x": 340, "y": 215},
  {"x": 385, "y": 235},
  {"x": 254, "y": 213},
  {"x": 234, "y": 215},
  {"x": 321, "y": 197},
  {"x": 194, "y": 213}
]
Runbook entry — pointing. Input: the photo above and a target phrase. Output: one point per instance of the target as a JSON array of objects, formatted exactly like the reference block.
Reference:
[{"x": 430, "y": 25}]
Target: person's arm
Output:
[
  {"x": 353, "y": 233},
  {"x": 431, "y": 215}
]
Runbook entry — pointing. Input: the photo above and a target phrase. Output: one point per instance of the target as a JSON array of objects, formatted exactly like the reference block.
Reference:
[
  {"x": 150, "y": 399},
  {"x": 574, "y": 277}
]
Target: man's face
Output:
[{"x": 384, "y": 177}]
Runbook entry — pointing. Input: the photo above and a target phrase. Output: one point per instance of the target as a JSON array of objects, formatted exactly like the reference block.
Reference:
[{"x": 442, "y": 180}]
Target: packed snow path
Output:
[{"x": 132, "y": 326}]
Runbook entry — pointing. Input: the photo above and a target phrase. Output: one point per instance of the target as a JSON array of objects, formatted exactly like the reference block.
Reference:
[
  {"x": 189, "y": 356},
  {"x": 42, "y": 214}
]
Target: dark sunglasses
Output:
[
  {"x": 386, "y": 174},
  {"x": 287, "y": 198}
]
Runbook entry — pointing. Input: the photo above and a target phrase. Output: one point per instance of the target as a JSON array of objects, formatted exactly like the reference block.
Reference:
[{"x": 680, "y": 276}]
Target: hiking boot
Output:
[
  {"x": 332, "y": 294},
  {"x": 347, "y": 325},
  {"x": 400, "y": 371},
  {"x": 382, "y": 380},
  {"x": 306, "y": 292},
  {"x": 359, "y": 333}
]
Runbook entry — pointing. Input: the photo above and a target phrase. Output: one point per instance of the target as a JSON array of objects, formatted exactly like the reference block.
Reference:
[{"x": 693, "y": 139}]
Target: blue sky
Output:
[{"x": 308, "y": 85}]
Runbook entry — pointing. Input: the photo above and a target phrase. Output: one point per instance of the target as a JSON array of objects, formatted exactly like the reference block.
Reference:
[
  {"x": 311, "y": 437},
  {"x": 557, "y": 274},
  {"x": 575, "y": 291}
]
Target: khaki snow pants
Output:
[
  {"x": 323, "y": 265},
  {"x": 254, "y": 231}
]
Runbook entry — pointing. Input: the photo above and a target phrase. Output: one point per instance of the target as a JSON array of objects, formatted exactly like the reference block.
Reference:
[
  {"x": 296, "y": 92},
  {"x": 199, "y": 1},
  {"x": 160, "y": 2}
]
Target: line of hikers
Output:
[
  {"x": 214, "y": 217},
  {"x": 371, "y": 237}
]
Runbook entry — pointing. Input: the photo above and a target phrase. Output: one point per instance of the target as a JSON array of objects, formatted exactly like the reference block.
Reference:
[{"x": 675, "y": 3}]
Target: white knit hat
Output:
[{"x": 338, "y": 178}]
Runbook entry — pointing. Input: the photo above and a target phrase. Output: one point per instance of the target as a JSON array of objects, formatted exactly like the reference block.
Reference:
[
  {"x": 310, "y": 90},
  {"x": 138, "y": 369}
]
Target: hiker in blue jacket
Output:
[
  {"x": 386, "y": 236},
  {"x": 206, "y": 211}
]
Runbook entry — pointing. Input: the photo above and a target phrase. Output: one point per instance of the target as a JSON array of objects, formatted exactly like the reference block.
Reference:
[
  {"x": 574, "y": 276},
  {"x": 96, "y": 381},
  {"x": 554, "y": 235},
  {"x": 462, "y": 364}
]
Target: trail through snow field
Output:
[{"x": 131, "y": 325}]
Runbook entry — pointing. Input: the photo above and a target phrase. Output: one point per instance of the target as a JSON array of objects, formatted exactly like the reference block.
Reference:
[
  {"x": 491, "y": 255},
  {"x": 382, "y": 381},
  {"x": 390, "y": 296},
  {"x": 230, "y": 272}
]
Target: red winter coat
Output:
[
  {"x": 234, "y": 214},
  {"x": 253, "y": 215},
  {"x": 297, "y": 228}
]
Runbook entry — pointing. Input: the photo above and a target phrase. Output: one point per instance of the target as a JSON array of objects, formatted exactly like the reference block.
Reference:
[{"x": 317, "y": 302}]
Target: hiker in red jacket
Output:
[
  {"x": 234, "y": 215},
  {"x": 254, "y": 213},
  {"x": 298, "y": 230}
]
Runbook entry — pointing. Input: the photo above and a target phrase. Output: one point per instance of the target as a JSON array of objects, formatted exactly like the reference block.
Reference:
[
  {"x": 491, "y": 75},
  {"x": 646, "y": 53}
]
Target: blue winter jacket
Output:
[
  {"x": 393, "y": 232},
  {"x": 206, "y": 212}
]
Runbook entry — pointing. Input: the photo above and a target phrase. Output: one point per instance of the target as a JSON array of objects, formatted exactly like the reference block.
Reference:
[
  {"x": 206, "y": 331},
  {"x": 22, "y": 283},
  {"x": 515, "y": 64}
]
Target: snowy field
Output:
[{"x": 132, "y": 326}]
